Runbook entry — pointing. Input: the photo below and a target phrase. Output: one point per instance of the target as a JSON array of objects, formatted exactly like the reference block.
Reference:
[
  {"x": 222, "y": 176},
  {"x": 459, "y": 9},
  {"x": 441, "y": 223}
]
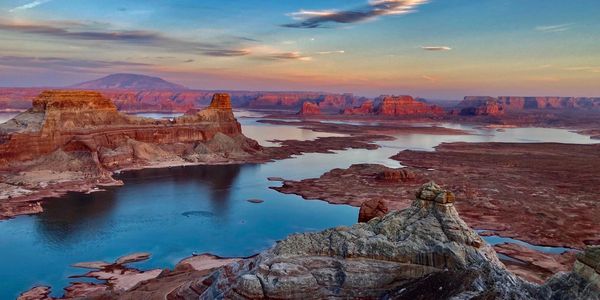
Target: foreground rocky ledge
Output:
[{"x": 423, "y": 252}]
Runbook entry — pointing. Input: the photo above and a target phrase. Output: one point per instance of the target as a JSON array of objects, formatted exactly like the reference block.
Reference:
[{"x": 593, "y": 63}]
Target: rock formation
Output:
[
  {"x": 364, "y": 109},
  {"x": 82, "y": 135},
  {"x": 397, "y": 175},
  {"x": 395, "y": 106},
  {"x": 309, "y": 109},
  {"x": 490, "y": 106},
  {"x": 371, "y": 209},
  {"x": 480, "y": 106},
  {"x": 423, "y": 252}
]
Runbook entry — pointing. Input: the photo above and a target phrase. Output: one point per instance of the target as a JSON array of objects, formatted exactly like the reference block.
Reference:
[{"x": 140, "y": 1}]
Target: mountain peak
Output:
[{"x": 130, "y": 82}]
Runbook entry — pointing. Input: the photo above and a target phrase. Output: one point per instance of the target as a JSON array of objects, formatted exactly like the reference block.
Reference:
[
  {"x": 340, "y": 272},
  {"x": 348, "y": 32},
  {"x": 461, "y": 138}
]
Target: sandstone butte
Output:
[
  {"x": 309, "y": 109},
  {"x": 423, "y": 252},
  {"x": 393, "y": 106},
  {"x": 80, "y": 137}
]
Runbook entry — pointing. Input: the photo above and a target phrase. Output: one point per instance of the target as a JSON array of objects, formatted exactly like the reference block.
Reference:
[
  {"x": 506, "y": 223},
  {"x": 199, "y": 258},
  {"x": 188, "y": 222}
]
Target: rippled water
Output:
[{"x": 174, "y": 212}]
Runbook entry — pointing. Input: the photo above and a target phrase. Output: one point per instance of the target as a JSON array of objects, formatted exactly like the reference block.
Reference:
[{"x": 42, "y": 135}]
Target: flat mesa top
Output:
[{"x": 71, "y": 99}]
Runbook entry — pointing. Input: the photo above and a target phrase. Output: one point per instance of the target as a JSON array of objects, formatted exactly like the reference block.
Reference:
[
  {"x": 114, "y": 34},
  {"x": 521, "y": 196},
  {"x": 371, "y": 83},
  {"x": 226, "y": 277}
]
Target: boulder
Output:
[{"x": 372, "y": 209}]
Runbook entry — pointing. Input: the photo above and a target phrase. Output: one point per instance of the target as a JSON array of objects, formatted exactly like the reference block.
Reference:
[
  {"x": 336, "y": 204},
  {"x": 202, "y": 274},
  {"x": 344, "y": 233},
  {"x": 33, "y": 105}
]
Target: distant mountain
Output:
[{"x": 129, "y": 82}]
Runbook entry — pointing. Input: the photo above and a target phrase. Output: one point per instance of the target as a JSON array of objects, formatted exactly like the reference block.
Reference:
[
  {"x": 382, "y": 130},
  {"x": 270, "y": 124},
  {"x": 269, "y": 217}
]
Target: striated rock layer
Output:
[
  {"x": 309, "y": 108},
  {"x": 490, "y": 106},
  {"x": 81, "y": 135},
  {"x": 423, "y": 252},
  {"x": 395, "y": 106}
]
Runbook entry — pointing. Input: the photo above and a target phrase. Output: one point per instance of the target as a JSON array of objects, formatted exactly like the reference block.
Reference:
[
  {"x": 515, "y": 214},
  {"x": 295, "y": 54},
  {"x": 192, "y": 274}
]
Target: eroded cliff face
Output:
[
  {"x": 497, "y": 106},
  {"x": 81, "y": 135},
  {"x": 423, "y": 252},
  {"x": 309, "y": 108},
  {"x": 395, "y": 106},
  {"x": 75, "y": 121}
]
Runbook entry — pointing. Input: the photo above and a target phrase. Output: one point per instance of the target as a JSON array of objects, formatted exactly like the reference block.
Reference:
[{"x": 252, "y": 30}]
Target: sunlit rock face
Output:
[
  {"x": 395, "y": 106},
  {"x": 87, "y": 123},
  {"x": 309, "y": 109}
]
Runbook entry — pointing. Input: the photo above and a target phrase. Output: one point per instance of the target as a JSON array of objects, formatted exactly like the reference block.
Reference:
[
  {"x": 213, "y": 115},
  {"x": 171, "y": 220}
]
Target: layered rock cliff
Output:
[
  {"x": 145, "y": 100},
  {"x": 309, "y": 109},
  {"x": 491, "y": 106},
  {"x": 81, "y": 135},
  {"x": 395, "y": 106},
  {"x": 423, "y": 252}
]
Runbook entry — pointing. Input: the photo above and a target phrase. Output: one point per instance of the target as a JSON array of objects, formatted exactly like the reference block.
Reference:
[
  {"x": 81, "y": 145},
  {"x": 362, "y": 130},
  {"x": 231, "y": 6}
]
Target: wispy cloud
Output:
[
  {"x": 226, "y": 52},
  {"x": 554, "y": 28},
  {"x": 374, "y": 9},
  {"x": 331, "y": 52},
  {"x": 72, "y": 30},
  {"x": 593, "y": 69},
  {"x": 290, "y": 56},
  {"x": 29, "y": 5},
  {"x": 64, "y": 64},
  {"x": 429, "y": 78},
  {"x": 436, "y": 48}
]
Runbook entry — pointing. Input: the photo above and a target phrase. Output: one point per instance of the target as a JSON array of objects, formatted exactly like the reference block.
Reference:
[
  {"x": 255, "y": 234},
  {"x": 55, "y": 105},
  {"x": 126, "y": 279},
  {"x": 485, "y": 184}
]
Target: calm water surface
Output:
[{"x": 174, "y": 212}]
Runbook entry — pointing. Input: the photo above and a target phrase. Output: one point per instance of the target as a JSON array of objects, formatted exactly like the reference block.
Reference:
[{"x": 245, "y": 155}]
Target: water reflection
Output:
[{"x": 68, "y": 219}]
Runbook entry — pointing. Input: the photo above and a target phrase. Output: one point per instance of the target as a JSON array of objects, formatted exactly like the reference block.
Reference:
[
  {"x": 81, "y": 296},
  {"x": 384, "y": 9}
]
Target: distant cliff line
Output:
[{"x": 19, "y": 99}]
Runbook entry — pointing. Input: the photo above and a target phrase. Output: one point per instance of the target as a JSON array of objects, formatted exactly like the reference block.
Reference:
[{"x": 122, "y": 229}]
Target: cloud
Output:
[
  {"x": 583, "y": 69},
  {"x": 374, "y": 9},
  {"x": 64, "y": 64},
  {"x": 554, "y": 28},
  {"x": 332, "y": 52},
  {"x": 29, "y": 5},
  {"x": 226, "y": 52},
  {"x": 436, "y": 48},
  {"x": 289, "y": 56},
  {"x": 429, "y": 78},
  {"x": 72, "y": 30}
]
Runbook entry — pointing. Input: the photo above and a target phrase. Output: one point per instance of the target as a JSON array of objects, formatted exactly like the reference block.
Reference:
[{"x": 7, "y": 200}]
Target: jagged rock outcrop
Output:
[
  {"x": 309, "y": 109},
  {"x": 423, "y": 252}
]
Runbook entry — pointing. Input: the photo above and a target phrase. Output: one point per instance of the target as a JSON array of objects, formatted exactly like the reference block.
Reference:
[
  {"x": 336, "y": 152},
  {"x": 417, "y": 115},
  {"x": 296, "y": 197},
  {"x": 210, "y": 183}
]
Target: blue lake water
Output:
[{"x": 174, "y": 212}]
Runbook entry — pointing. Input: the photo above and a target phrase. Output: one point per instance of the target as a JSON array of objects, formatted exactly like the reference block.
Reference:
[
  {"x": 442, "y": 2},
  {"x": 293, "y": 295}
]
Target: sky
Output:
[{"x": 443, "y": 49}]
